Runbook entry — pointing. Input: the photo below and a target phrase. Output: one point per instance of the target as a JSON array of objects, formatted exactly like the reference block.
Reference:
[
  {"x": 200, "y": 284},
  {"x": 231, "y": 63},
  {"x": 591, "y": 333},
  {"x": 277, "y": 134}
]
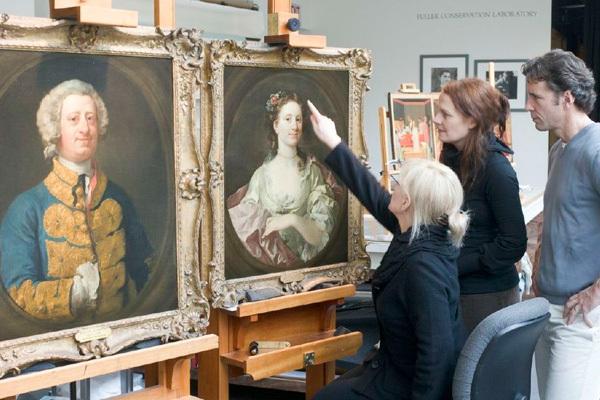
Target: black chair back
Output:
[
  {"x": 495, "y": 363},
  {"x": 504, "y": 369}
]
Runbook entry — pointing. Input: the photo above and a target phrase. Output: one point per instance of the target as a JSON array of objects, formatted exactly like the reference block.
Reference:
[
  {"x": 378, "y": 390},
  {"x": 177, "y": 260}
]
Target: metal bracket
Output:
[
  {"x": 309, "y": 359},
  {"x": 256, "y": 346}
]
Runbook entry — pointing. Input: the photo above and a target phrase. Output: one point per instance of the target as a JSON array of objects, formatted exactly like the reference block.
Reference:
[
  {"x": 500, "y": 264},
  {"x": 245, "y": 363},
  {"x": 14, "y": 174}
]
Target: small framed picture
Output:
[
  {"x": 437, "y": 70},
  {"x": 412, "y": 132},
  {"x": 508, "y": 79}
]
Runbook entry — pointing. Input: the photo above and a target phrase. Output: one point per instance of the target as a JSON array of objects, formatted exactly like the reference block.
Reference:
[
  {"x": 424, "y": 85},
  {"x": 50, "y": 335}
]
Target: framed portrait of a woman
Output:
[{"x": 281, "y": 218}]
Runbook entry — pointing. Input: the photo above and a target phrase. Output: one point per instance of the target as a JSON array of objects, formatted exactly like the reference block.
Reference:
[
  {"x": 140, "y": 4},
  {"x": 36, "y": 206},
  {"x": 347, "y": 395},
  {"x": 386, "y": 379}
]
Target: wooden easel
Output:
[
  {"x": 306, "y": 320},
  {"x": 173, "y": 371},
  {"x": 283, "y": 26},
  {"x": 100, "y": 12},
  {"x": 383, "y": 140}
]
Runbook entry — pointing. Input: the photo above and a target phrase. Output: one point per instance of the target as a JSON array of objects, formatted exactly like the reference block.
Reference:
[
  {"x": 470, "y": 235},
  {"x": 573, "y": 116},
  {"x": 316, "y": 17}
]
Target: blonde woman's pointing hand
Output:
[{"x": 324, "y": 127}]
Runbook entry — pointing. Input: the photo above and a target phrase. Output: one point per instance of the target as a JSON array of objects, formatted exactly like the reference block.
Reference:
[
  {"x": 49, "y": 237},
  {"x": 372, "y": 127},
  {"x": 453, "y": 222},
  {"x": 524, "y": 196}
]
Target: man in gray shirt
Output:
[{"x": 560, "y": 95}]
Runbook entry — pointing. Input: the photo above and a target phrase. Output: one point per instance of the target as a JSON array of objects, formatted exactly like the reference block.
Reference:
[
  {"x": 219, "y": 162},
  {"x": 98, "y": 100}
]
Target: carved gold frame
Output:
[
  {"x": 227, "y": 293},
  {"x": 186, "y": 51}
]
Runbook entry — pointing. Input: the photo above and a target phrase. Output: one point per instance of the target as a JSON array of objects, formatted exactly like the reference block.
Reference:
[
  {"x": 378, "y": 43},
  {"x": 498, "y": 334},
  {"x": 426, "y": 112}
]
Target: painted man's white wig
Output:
[{"x": 48, "y": 114}]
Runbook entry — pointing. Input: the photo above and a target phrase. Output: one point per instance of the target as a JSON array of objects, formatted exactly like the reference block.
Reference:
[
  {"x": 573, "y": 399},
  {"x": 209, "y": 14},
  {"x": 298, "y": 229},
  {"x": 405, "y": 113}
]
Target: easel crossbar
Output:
[
  {"x": 89, "y": 369},
  {"x": 296, "y": 300}
]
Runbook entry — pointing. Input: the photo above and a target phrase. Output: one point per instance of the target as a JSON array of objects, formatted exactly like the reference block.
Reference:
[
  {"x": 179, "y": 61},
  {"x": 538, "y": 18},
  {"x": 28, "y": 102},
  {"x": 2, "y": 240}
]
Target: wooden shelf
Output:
[{"x": 324, "y": 345}]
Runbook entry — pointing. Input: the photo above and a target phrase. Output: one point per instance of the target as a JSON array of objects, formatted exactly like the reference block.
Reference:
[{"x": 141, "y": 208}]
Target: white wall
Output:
[
  {"x": 396, "y": 37},
  {"x": 23, "y": 7},
  {"x": 214, "y": 20}
]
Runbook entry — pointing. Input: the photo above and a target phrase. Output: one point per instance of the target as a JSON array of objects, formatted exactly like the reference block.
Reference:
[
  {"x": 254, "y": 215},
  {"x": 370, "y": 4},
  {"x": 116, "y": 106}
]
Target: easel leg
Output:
[
  {"x": 173, "y": 382},
  {"x": 150, "y": 375},
  {"x": 213, "y": 375},
  {"x": 383, "y": 140},
  {"x": 176, "y": 375},
  {"x": 318, "y": 376},
  {"x": 164, "y": 13}
]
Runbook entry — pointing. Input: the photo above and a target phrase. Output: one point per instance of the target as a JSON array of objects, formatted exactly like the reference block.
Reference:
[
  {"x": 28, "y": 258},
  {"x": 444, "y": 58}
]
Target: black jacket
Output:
[
  {"x": 416, "y": 296},
  {"x": 497, "y": 237}
]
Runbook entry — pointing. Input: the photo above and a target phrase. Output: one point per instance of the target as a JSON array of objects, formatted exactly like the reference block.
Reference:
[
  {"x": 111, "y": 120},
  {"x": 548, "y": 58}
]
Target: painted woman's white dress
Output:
[{"x": 263, "y": 198}]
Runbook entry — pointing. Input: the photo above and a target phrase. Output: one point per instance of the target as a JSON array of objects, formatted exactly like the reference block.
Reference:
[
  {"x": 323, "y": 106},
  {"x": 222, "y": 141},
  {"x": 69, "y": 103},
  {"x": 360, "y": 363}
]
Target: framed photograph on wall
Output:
[
  {"x": 98, "y": 211},
  {"x": 270, "y": 185},
  {"x": 508, "y": 79},
  {"x": 437, "y": 70}
]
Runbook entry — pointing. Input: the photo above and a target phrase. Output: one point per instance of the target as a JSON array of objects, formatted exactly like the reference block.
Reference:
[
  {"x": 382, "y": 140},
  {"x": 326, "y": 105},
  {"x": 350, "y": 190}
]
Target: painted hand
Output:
[
  {"x": 324, "y": 127},
  {"x": 583, "y": 302},
  {"x": 90, "y": 278},
  {"x": 84, "y": 291},
  {"x": 278, "y": 223}
]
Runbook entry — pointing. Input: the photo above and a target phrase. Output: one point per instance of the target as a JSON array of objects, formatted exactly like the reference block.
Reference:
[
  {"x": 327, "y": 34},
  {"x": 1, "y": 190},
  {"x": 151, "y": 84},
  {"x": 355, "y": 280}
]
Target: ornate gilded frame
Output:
[
  {"x": 186, "y": 51},
  {"x": 227, "y": 293}
]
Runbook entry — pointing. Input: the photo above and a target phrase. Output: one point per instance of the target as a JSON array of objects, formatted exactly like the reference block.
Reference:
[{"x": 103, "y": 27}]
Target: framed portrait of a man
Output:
[
  {"x": 508, "y": 79},
  {"x": 437, "y": 70},
  {"x": 281, "y": 218},
  {"x": 98, "y": 229}
]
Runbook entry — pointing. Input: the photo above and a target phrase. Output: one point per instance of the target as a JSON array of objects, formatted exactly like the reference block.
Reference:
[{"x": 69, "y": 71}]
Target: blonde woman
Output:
[{"x": 415, "y": 289}]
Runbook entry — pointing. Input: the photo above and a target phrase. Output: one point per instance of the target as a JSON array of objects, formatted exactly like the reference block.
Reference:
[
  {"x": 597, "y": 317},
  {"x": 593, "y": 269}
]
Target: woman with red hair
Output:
[{"x": 471, "y": 122}]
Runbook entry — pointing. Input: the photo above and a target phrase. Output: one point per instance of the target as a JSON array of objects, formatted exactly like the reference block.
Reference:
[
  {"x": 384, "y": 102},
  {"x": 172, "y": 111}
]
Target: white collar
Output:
[{"x": 84, "y": 167}]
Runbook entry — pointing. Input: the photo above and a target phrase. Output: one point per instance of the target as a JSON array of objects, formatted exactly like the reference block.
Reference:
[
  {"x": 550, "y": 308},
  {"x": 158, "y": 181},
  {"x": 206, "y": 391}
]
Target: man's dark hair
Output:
[{"x": 563, "y": 71}]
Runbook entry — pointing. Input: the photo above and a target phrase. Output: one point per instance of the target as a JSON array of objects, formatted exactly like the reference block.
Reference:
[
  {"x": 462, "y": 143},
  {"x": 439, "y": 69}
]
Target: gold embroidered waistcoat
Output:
[{"x": 77, "y": 234}]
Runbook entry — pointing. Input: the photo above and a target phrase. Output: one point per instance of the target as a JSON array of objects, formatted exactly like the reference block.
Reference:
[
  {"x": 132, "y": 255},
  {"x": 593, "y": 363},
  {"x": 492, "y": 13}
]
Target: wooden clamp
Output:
[
  {"x": 94, "y": 12},
  {"x": 283, "y": 26},
  {"x": 100, "y": 12}
]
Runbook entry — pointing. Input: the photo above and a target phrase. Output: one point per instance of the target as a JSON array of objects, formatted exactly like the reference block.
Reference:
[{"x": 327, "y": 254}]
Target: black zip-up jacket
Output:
[
  {"x": 496, "y": 238},
  {"x": 416, "y": 297}
]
